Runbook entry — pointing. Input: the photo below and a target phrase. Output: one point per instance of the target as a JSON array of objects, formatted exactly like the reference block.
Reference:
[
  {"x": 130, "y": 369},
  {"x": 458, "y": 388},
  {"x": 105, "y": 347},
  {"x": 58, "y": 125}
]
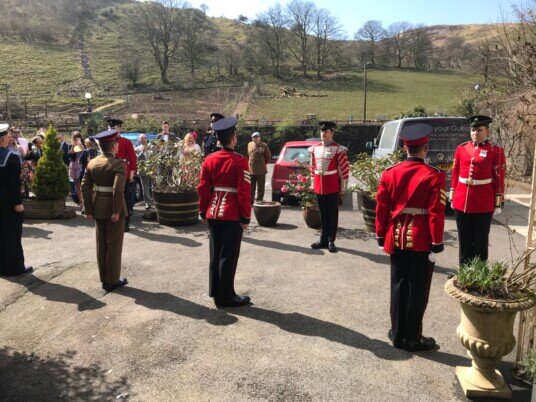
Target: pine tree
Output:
[{"x": 51, "y": 179}]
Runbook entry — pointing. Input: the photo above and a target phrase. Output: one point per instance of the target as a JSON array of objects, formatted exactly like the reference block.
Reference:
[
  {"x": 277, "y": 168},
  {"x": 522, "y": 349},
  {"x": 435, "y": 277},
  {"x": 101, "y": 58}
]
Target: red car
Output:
[{"x": 286, "y": 164}]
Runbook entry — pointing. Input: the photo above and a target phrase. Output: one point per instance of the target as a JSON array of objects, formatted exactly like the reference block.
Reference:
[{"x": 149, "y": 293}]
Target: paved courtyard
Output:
[{"x": 317, "y": 329}]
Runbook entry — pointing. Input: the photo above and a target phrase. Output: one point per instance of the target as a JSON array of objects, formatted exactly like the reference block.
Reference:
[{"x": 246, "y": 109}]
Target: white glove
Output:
[
  {"x": 497, "y": 211},
  {"x": 381, "y": 248},
  {"x": 432, "y": 257}
]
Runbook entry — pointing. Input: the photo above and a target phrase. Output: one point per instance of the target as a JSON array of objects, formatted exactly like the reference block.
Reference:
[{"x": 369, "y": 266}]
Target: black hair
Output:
[
  {"x": 416, "y": 149},
  {"x": 106, "y": 146},
  {"x": 224, "y": 136}
]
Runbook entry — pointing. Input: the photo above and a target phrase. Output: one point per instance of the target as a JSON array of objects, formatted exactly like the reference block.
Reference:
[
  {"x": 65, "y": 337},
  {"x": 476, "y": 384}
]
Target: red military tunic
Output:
[
  {"x": 330, "y": 168},
  {"x": 478, "y": 177},
  {"x": 225, "y": 189},
  {"x": 127, "y": 154},
  {"x": 410, "y": 206}
]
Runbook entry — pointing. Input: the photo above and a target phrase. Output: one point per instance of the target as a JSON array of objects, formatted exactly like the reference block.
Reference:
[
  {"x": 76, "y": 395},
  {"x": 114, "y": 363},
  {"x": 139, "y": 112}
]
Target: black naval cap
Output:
[
  {"x": 114, "y": 122},
  {"x": 214, "y": 117},
  {"x": 4, "y": 129},
  {"x": 480, "y": 120},
  {"x": 108, "y": 135},
  {"x": 327, "y": 125}
]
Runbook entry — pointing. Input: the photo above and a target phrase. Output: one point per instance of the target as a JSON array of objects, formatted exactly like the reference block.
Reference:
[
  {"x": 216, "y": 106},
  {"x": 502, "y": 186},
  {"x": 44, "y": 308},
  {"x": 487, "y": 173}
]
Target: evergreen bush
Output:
[{"x": 51, "y": 179}]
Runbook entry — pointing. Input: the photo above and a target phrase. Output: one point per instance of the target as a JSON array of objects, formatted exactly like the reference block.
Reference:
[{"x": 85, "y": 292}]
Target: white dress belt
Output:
[
  {"x": 226, "y": 189},
  {"x": 415, "y": 211},
  {"x": 326, "y": 173},
  {"x": 473, "y": 182},
  {"x": 104, "y": 189}
]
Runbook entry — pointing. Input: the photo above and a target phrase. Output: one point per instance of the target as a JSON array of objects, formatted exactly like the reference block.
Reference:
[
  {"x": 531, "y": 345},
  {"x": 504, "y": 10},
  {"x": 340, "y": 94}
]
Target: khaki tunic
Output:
[
  {"x": 259, "y": 156},
  {"x": 106, "y": 171}
]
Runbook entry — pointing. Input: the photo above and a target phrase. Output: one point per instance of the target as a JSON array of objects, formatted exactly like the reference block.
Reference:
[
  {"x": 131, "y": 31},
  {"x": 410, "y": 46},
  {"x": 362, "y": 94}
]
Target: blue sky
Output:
[{"x": 353, "y": 13}]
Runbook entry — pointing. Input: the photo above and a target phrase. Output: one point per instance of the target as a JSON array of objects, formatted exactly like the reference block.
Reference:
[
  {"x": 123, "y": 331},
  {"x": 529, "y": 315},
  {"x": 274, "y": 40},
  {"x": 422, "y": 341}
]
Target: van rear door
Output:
[{"x": 388, "y": 139}]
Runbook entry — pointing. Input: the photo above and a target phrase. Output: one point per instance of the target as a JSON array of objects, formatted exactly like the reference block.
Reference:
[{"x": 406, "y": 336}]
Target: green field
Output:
[{"x": 389, "y": 93}]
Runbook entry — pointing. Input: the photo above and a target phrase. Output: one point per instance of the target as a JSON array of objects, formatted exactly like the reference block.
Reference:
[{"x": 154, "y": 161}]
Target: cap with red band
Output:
[{"x": 416, "y": 134}]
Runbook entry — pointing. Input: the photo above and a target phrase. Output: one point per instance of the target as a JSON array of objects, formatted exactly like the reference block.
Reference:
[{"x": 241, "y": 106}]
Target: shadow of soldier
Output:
[
  {"x": 57, "y": 293},
  {"x": 177, "y": 305},
  {"x": 27, "y": 376}
]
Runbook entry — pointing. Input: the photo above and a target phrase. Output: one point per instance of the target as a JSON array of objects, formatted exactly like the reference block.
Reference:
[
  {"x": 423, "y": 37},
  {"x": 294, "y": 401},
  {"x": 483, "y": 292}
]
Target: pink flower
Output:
[
  {"x": 299, "y": 187},
  {"x": 299, "y": 177},
  {"x": 303, "y": 179},
  {"x": 311, "y": 188},
  {"x": 284, "y": 189}
]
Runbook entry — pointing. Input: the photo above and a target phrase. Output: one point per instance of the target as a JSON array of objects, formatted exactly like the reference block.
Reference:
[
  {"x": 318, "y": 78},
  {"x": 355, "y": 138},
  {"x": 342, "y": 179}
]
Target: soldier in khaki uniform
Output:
[
  {"x": 103, "y": 193},
  {"x": 259, "y": 156}
]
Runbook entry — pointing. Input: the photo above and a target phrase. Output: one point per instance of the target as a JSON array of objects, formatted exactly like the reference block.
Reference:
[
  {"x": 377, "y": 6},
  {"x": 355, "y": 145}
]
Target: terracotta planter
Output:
[
  {"x": 486, "y": 330},
  {"x": 177, "y": 209},
  {"x": 267, "y": 212},
  {"x": 312, "y": 218},
  {"x": 367, "y": 206},
  {"x": 44, "y": 209}
]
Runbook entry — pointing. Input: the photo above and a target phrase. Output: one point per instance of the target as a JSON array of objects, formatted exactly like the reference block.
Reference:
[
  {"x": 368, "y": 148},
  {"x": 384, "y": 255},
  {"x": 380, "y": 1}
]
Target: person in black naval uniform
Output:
[
  {"x": 224, "y": 201},
  {"x": 11, "y": 210}
]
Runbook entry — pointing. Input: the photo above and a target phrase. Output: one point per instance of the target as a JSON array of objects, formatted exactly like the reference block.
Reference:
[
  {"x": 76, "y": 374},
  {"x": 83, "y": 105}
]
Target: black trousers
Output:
[
  {"x": 128, "y": 196},
  {"x": 11, "y": 254},
  {"x": 328, "y": 204},
  {"x": 473, "y": 235},
  {"x": 411, "y": 277},
  {"x": 225, "y": 239}
]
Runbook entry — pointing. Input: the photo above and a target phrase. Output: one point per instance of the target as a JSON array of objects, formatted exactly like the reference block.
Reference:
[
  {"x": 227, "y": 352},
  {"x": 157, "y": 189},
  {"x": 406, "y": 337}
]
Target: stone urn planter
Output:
[
  {"x": 367, "y": 206},
  {"x": 267, "y": 212},
  {"x": 311, "y": 216},
  {"x": 486, "y": 330},
  {"x": 177, "y": 209}
]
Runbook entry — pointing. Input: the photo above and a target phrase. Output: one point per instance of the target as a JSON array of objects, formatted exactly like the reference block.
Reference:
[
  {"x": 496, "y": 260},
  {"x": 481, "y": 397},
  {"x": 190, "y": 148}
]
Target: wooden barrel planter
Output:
[
  {"x": 267, "y": 212},
  {"x": 312, "y": 218},
  {"x": 177, "y": 209},
  {"x": 44, "y": 209},
  {"x": 368, "y": 207}
]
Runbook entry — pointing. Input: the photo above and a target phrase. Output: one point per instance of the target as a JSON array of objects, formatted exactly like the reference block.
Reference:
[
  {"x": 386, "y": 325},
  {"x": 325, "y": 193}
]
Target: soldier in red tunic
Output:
[
  {"x": 224, "y": 200},
  {"x": 330, "y": 170},
  {"x": 410, "y": 217},
  {"x": 126, "y": 153},
  {"x": 477, "y": 189}
]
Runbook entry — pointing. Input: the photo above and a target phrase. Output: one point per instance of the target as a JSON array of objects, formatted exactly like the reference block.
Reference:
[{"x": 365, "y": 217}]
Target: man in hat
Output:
[
  {"x": 477, "y": 189},
  {"x": 259, "y": 156},
  {"x": 166, "y": 135},
  {"x": 11, "y": 210},
  {"x": 126, "y": 153},
  {"x": 410, "y": 217},
  {"x": 330, "y": 169},
  {"x": 103, "y": 190},
  {"x": 210, "y": 141},
  {"x": 224, "y": 200}
]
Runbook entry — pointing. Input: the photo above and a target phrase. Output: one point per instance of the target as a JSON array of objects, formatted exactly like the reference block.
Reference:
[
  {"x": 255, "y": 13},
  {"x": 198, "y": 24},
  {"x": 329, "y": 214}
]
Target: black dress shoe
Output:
[
  {"x": 26, "y": 270},
  {"x": 319, "y": 244},
  {"x": 236, "y": 301},
  {"x": 112, "y": 286},
  {"x": 397, "y": 343},
  {"x": 331, "y": 247},
  {"x": 127, "y": 228},
  {"x": 424, "y": 344}
]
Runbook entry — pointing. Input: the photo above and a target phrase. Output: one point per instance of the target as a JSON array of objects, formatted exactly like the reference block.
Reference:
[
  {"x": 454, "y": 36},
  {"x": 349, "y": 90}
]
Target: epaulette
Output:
[
  {"x": 343, "y": 148},
  {"x": 434, "y": 167}
]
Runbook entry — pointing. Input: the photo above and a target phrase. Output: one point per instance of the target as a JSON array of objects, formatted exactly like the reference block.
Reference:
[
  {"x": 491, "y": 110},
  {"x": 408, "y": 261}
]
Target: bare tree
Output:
[
  {"x": 204, "y": 8},
  {"x": 158, "y": 25},
  {"x": 302, "y": 14},
  {"x": 130, "y": 69},
  {"x": 197, "y": 34},
  {"x": 326, "y": 31},
  {"x": 371, "y": 32},
  {"x": 420, "y": 46},
  {"x": 271, "y": 27},
  {"x": 398, "y": 35}
]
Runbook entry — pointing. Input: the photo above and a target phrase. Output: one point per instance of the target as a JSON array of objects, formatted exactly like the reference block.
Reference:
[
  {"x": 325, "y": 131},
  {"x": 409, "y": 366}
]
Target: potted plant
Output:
[
  {"x": 367, "y": 172},
  {"x": 175, "y": 176},
  {"x": 490, "y": 295},
  {"x": 49, "y": 182},
  {"x": 267, "y": 212},
  {"x": 300, "y": 185}
]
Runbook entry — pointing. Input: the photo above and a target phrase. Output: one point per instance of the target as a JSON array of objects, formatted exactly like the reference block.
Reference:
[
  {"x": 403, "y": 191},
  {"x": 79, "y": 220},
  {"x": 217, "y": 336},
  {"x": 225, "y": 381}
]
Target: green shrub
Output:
[
  {"x": 528, "y": 366},
  {"x": 51, "y": 180},
  {"x": 485, "y": 278}
]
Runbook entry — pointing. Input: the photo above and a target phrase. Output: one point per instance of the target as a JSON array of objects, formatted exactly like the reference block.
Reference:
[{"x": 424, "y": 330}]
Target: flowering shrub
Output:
[
  {"x": 170, "y": 172},
  {"x": 300, "y": 185},
  {"x": 27, "y": 177}
]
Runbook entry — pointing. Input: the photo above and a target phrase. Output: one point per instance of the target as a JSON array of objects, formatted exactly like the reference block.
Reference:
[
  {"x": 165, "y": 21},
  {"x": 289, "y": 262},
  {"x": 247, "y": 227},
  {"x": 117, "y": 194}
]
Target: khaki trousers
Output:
[
  {"x": 258, "y": 182},
  {"x": 109, "y": 248}
]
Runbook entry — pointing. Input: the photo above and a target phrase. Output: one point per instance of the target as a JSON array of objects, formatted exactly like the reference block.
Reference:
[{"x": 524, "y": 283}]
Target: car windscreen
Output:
[
  {"x": 301, "y": 154},
  {"x": 388, "y": 136}
]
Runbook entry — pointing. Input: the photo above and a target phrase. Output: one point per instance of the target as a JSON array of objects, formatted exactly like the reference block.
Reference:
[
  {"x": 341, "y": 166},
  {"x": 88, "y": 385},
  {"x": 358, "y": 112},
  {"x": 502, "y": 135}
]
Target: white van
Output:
[{"x": 449, "y": 132}]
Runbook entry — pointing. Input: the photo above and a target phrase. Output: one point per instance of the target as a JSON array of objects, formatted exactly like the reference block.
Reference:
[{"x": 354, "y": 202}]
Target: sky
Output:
[{"x": 354, "y": 13}]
